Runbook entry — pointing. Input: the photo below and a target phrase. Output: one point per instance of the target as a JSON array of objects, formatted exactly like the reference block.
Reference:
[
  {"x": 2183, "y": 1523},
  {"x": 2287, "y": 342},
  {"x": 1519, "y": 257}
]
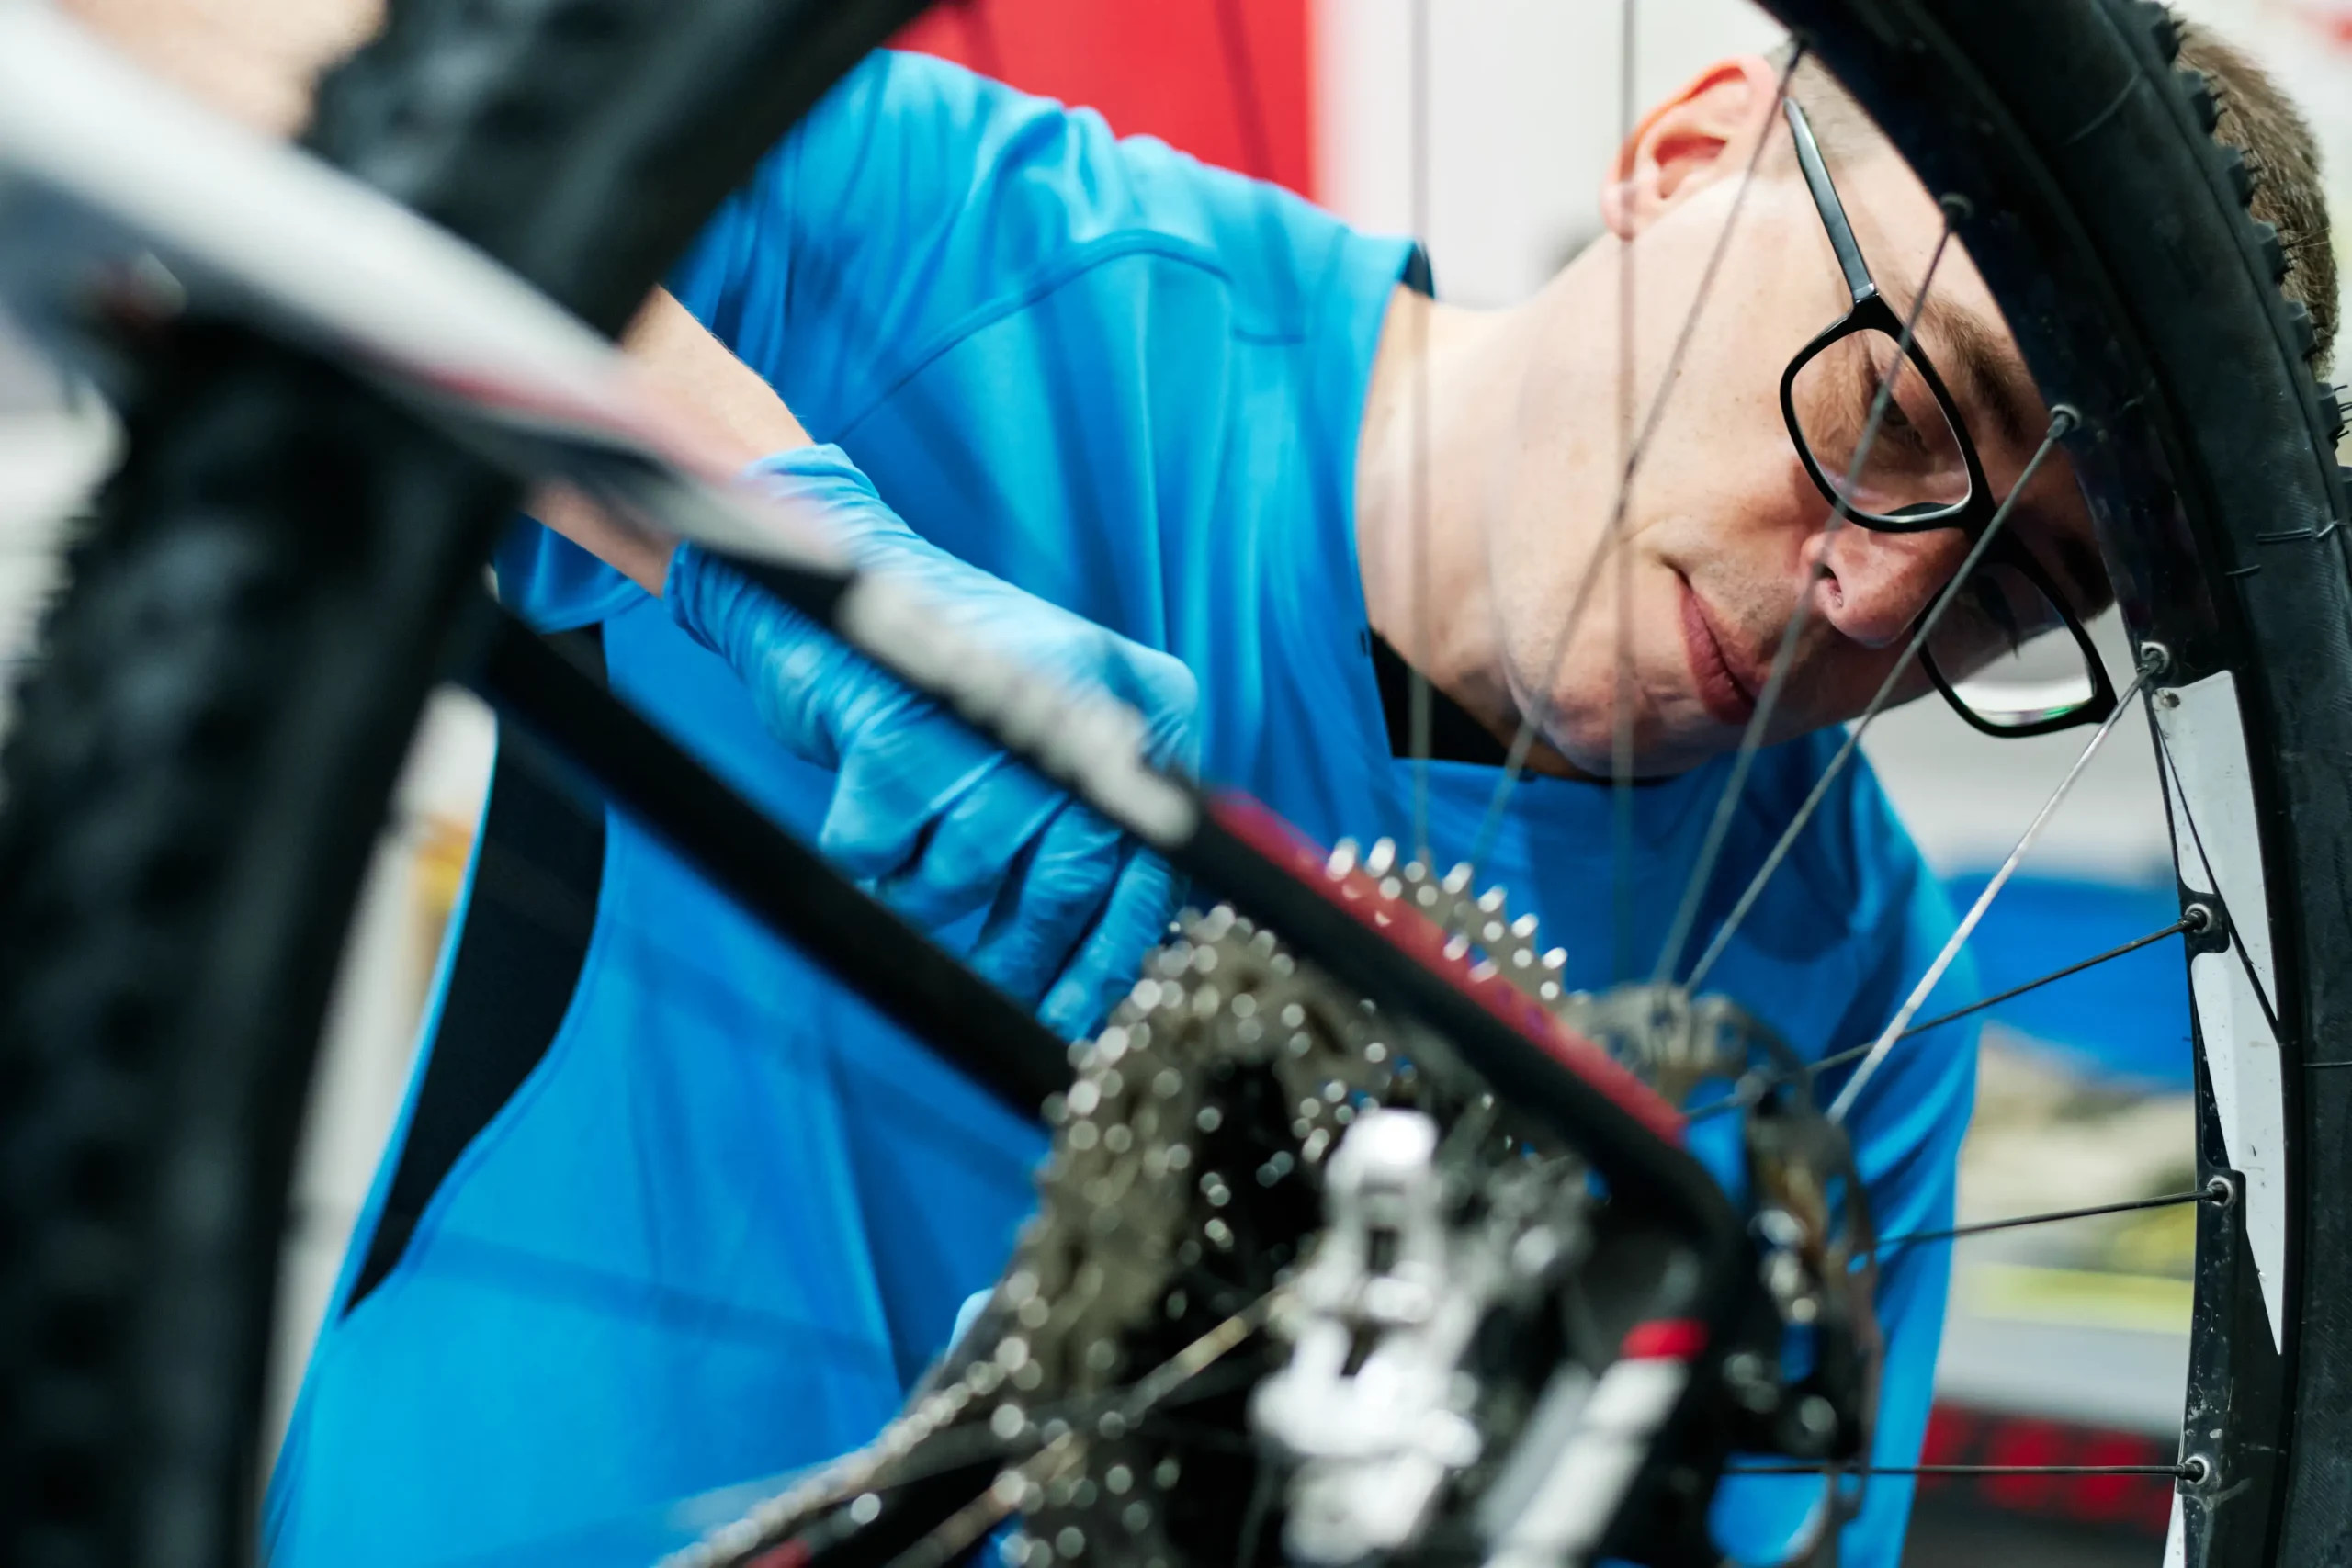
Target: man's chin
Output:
[
  {"x": 1666, "y": 744},
  {"x": 1656, "y": 757}
]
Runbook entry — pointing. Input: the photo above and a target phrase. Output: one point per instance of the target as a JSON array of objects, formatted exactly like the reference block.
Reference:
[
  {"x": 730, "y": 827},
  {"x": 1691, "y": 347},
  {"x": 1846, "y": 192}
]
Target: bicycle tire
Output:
[
  {"x": 201, "y": 759},
  {"x": 2143, "y": 211},
  {"x": 203, "y": 754}
]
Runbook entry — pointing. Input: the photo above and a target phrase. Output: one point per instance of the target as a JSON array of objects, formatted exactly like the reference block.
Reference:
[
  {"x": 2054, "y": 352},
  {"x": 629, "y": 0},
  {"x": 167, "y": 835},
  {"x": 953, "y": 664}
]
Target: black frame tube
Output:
[{"x": 782, "y": 882}]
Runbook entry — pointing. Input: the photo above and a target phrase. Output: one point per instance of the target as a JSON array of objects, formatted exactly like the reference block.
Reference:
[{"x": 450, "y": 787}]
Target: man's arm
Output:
[
  {"x": 736, "y": 417},
  {"x": 938, "y": 823},
  {"x": 258, "y": 60}
]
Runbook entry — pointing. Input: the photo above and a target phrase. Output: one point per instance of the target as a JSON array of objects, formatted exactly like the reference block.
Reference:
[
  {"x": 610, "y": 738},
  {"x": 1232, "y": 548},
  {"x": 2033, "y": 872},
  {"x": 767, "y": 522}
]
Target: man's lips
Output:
[{"x": 1726, "y": 697}]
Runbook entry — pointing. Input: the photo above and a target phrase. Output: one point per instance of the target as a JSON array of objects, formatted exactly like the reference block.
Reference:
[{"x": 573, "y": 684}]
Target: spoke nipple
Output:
[
  {"x": 2220, "y": 1190},
  {"x": 2064, "y": 420},
  {"x": 2197, "y": 917},
  {"x": 2154, "y": 660},
  {"x": 2196, "y": 1471},
  {"x": 1957, "y": 207}
]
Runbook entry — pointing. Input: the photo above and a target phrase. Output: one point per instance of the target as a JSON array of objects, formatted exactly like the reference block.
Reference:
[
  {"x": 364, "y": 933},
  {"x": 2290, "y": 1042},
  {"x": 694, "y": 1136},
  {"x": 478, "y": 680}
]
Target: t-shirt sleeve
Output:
[
  {"x": 920, "y": 205},
  {"x": 830, "y": 267},
  {"x": 816, "y": 253},
  {"x": 552, "y": 583}
]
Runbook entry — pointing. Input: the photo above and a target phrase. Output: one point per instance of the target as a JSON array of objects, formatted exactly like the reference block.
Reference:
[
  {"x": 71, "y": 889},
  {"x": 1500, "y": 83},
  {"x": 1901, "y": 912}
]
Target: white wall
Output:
[
  {"x": 372, "y": 1020},
  {"x": 1524, "y": 112},
  {"x": 1525, "y": 109}
]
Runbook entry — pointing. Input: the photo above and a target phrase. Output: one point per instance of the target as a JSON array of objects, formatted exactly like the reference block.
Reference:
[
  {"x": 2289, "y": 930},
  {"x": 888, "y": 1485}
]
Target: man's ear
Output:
[{"x": 1705, "y": 132}]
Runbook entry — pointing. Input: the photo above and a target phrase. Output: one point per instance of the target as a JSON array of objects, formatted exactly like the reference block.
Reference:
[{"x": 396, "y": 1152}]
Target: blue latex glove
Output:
[{"x": 935, "y": 821}]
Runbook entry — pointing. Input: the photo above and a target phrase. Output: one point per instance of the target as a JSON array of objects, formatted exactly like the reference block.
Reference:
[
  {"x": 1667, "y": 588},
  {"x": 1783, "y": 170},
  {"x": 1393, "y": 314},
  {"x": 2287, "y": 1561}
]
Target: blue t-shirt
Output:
[{"x": 729, "y": 1217}]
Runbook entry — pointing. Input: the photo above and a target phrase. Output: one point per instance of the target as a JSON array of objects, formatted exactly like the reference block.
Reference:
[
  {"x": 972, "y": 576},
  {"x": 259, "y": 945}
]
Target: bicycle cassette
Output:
[{"x": 1298, "y": 1287}]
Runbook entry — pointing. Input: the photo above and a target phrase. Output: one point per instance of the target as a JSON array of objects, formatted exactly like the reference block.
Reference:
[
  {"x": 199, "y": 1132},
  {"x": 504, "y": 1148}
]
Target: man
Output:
[{"x": 703, "y": 1218}]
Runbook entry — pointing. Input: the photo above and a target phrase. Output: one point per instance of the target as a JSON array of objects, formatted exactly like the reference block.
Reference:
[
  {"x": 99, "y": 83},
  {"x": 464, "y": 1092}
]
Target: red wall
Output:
[{"x": 1166, "y": 68}]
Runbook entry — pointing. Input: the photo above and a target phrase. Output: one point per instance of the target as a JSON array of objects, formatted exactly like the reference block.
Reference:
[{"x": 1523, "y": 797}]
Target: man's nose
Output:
[{"x": 1874, "y": 585}]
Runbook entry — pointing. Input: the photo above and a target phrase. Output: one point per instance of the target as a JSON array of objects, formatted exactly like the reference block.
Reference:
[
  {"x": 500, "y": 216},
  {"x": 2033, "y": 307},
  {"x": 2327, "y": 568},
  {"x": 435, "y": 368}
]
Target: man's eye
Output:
[
  {"x": 1901, "y": 435},
  {"x": 1866, "y": 392}
]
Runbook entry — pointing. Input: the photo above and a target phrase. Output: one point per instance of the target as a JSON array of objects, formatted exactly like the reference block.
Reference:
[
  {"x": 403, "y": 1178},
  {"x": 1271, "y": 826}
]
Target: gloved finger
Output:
[
  {"x": 1164, "y": 693},
  {"x": 1049, "y": 903},
  {"x": 890, "y": 793},
  {"x": 813, "y": 692},
  {"x": 968, "y": 844},
  {"x": 1134, "y": 920}
]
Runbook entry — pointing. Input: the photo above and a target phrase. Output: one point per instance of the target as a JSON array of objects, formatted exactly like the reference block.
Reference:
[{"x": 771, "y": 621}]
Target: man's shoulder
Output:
[{"x": 1023, "y": 192}]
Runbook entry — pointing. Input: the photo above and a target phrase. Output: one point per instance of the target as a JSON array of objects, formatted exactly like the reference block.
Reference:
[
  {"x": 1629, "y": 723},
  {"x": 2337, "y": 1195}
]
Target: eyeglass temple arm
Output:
[{"x": 1833, "y": 212}]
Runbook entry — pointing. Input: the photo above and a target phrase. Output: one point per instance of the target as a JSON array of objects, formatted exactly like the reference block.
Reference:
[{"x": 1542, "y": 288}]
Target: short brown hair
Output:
[{"x": 2256, "y": 119}]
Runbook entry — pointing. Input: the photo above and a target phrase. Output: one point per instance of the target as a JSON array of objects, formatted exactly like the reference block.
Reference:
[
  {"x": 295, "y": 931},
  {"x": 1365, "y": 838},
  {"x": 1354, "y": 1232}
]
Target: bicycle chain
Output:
[{"x": 1182, "y": 1184}]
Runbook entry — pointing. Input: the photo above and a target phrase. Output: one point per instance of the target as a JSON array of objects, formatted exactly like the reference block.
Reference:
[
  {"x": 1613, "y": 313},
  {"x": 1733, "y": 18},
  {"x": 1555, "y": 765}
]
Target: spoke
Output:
[
  {"x": 802, "y": 1508},
  {"x": 1621, "y": 694},
  {"x": 2216, "y": 1193},
  {"x": 1928, "y": 982},
  {"x": 1155, "y": 1387},
  {"x": 2177, "y": 1471},
  {"x": 965, "y": 1527},
  {"x": 975, "y": 1519},
  {"x": 1751, "y": 739},
  {"x": 1532, "y": 723},
  {"x": 2061, "y": 421},
  {"x": 2196, "y": 920},
  {"x": 881, "y": 1463},
  {"x": 1418, "y": 710},
  {"x": 947, "y": 1449}
]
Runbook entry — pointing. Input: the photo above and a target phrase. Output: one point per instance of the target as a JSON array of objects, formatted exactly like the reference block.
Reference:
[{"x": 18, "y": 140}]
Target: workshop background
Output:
[{"x": 2066, "y": 1344}]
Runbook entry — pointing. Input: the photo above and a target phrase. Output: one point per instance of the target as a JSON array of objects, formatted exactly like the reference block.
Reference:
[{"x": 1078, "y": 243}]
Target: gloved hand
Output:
[{"x": 934, "y": 820}]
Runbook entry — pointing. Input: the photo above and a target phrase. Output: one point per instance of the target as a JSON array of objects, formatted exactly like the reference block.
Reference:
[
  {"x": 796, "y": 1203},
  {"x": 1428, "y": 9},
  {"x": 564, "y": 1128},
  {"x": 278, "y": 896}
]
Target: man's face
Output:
[{"x": 1724, "y": 527}]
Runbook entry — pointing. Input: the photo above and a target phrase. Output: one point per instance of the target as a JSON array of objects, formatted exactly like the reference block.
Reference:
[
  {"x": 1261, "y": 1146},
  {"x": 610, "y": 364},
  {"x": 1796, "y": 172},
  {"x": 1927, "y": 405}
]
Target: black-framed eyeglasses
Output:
[{"x": 2009, "y": 655}]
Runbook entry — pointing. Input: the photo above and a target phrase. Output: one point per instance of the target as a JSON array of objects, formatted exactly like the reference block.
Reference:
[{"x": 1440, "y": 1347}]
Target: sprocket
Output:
[{"x": 1111, "y": 1370}]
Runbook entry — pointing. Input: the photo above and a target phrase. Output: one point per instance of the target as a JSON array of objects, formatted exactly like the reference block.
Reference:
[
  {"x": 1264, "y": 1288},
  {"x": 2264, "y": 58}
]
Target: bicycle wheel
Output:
[{"x": 202, "y": 756}]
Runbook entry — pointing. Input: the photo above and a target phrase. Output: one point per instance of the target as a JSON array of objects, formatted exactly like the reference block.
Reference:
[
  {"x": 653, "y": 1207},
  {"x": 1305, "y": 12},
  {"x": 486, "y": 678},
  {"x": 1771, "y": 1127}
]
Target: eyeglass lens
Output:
[
  {"x": 1913, "y": 464},
  {"x": 2008, "y": 653}
]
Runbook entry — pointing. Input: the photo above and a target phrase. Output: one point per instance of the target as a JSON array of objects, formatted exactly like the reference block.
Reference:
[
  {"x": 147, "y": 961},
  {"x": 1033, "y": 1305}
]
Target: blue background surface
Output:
[{"x": 2126, "y": 1020}]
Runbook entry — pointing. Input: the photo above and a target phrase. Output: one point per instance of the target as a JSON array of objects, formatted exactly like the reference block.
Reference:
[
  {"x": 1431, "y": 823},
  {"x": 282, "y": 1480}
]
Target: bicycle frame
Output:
[{"x": 114, "y": 166}]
